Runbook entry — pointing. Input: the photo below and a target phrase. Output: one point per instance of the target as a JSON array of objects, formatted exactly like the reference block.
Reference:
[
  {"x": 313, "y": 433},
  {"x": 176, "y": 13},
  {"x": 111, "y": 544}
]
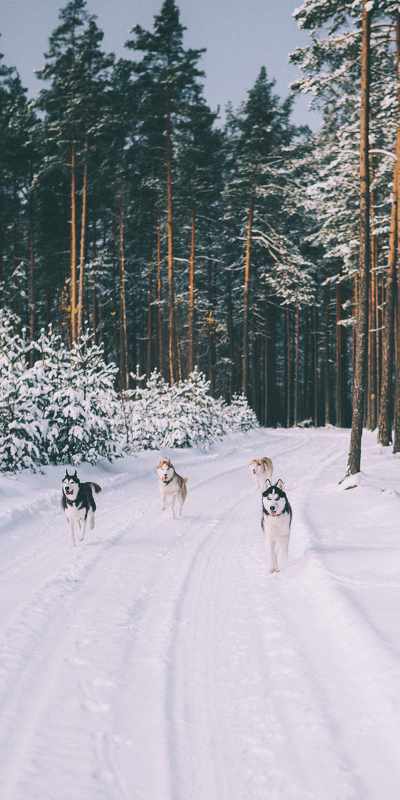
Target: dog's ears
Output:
[
  {"x": 280, "y": 485},
  {"x": 267, "y": 484},
  {"x": 160, "y": 463},
  {"x": 169, "y": 462}
]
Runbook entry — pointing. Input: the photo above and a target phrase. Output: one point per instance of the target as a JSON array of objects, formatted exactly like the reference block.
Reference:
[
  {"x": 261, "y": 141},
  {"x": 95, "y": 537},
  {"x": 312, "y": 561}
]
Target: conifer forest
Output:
[{"x": 261, "y": 253}]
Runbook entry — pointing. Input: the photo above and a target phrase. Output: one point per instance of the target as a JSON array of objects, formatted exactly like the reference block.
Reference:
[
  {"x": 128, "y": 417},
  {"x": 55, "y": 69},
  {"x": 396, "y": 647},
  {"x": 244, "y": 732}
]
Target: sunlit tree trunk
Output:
[
  {"x": 296, "y": 367},
  {"x": 338, "y": 355},
  {"x": 362, "y": 305},
  {"x": 385, "y": 402},
  {"x": 159, "y": 316},
  {"x": 246, "y": 287},
  {"x": 171, "y": 292},
  {"x": 122, "y": 313},
  {"x": 73, "y": 247},
  {"x": 315, "y": 359},
  {"x": 82, "y": 247},
  {"x": 325, "y": 366},
  {"x": 191, "y": 280}
]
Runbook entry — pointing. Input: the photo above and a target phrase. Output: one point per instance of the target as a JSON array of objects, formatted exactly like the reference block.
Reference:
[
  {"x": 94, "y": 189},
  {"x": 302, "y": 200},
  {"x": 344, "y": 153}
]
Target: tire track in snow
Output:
[{"x": 199, "y": 756}]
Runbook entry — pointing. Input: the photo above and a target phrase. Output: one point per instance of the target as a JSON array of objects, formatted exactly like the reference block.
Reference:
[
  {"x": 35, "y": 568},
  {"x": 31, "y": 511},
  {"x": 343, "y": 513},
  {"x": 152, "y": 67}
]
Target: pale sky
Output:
[{"x": 241, "y": 36}]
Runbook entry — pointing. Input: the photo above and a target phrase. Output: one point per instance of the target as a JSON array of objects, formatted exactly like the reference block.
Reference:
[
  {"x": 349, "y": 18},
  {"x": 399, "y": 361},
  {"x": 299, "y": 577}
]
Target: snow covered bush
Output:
[
  {"x": 80, "y": 402},
  {"x": 21, "y": 422},
  {"x": 182, "y": 415},
  {"x": 239, "y": 416},
  {"x": 87, "y": 406},
  {"x": 62, "y": 409}
]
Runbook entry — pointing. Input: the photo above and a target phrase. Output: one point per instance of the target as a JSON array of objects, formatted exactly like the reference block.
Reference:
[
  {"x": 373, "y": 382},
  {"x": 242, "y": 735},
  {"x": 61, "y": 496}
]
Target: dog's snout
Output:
[{"x": 272, "y": 508}]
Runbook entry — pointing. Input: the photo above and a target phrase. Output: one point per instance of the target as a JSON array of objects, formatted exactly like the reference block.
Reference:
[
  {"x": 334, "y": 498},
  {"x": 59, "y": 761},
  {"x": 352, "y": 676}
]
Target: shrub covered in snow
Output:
[
  {"x": 62, "y": 409},
  {"x": 182, "y": 415},
  {"x": 85, "y": 406},
  {"x": 21, "y": 421},
  {"x": 239, "y": 415}
]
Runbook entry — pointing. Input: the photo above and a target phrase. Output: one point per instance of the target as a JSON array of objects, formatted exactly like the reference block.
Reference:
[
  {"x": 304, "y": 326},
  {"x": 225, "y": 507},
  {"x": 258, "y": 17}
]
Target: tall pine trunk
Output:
[
  {"x": 339, "y": 402},
  {"x": 362, "y": 305},
  {"x": 73, "y": 247},
  {"x": 191, "y": 279},
  {"x": 159, "y": 336},
  {"x": 32, "y": 276},
  {"x": 171, "y": 293},
  {"x": 326, "y": 371},
  {"x": 385, "y": 404},
  {"x": 82, "y": 247},
  {"x": 123, "y": 339},
  {"x": 246, "y": 287},
  {"x": 296, "y": 367}
]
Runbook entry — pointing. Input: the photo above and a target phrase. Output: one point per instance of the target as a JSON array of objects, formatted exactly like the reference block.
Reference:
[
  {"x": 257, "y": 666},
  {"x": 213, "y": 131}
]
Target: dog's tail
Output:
[
  {"x": 185, "y": 479},
  {"x": 95, "y": 487}
]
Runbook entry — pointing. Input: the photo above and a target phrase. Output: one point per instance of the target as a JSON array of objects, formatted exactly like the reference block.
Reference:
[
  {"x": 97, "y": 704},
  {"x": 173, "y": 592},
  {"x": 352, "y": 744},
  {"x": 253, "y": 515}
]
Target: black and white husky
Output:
[
  {"x": 172, "y": 486},
  {"x": 78, "y": 502},
  {"x": 276, "y": 520}
]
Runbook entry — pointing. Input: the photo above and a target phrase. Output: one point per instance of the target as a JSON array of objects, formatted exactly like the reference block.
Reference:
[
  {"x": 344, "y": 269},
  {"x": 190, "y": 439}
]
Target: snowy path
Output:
[{"x": 161, "y": 661}]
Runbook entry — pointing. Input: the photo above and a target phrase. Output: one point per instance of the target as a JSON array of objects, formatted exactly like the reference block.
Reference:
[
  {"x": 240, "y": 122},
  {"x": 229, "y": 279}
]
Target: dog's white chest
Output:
[
  {"x": 74, "y": 513},
  {"x": 277, "y": 526}
]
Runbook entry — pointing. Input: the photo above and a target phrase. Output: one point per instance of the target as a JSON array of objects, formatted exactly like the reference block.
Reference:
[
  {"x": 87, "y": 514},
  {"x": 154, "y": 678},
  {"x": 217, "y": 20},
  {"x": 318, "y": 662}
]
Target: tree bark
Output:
[
  {"x": 339, "y": 417},
  {"x": 385, "y": 421},
  {"x": 288, "y": 369},
  {"x": 159, "y": 338},
  {"x": 315, "y": 353},
  {"x": 82, "y": 247},
  {"x": 246, "y": 287},
  {"x": 171, "y": 295},
  {"x": 296, "y": 379},
  {"x": 73, "y": 247},
  {"x": 354, "y": 462},
  {"x": 122, "y": 313},
  {"x": 191, "y": 280},
  {"x": 326, "y": 371}
]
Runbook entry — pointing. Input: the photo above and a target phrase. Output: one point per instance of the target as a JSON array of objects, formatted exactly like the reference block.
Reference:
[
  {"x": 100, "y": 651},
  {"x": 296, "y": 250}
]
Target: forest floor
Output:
[{"x": 160, "y": 660}]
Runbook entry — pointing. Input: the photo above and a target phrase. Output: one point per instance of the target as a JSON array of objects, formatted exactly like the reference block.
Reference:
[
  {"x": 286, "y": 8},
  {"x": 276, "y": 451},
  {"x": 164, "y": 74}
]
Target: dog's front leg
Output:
[
  {"x": 71, "y": 532},
  {"x": 173, "y": 498},
  {"x": 163, "y": 496},
  {"x": 271, "y": 551},
  {"x": 285, "y": 547},
  {"x": 82, "y": 529}
]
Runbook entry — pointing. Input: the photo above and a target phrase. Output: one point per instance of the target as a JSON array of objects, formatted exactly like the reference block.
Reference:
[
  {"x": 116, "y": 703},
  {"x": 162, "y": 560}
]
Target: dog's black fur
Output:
[{"x": 84, "y": 498}]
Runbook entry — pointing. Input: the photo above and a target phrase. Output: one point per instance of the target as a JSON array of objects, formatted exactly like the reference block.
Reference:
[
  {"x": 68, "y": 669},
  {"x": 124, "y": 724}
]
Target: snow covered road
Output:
[{"x": 161, "y": 661}]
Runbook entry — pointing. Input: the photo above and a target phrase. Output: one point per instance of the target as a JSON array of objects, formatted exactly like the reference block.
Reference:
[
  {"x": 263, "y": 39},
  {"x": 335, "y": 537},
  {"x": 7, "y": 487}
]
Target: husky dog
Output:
[
  {"x": 172, "y": 486},
  {"x": 77, "y": 501},
  {"x": 262, "y": 468},
  {"x": 276, "y": 520}
]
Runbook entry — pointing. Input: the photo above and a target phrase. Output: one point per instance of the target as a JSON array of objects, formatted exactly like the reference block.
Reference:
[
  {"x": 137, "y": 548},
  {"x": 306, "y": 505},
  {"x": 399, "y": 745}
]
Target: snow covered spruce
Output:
[{"x": 60, "y": 406}]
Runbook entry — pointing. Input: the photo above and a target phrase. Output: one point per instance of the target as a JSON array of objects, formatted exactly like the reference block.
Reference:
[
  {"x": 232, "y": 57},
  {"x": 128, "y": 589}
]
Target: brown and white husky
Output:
[
  {"x": 262, "y": 469},
  {"x": 172, "y": 487}
]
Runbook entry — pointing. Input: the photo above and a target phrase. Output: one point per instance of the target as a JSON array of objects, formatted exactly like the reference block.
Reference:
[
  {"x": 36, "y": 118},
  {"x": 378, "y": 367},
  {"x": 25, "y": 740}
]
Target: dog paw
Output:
[{"x": 274, "y": 570}]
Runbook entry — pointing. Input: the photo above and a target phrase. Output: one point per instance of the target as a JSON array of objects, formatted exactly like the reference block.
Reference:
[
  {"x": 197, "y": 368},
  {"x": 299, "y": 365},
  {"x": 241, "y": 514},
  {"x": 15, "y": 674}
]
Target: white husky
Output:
[
  {"x": 276, "y": 520},
  {"x": 172, "y": 487},
  {"x": 262, "y": 468}
]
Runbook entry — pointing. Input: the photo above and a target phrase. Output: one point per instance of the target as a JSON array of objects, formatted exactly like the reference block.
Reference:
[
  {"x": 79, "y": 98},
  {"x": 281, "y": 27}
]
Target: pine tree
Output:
[{"x": 166, "y": 80}]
